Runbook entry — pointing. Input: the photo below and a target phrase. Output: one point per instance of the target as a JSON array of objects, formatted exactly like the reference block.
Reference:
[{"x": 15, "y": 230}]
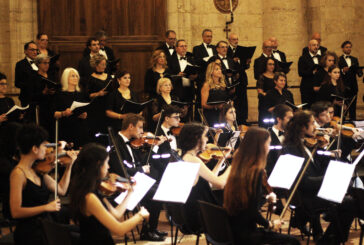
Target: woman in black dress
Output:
[
  {"x": 95, "y": 215},
  {"x": 29, "y": 191},
  {"x": 116, "y": 100},
  {"x": 42, "y": 43},
  {"x": 159, "y": 69},
  {"x": 264, "y": 84},
  {"x": 278, "y": 95},
  {"x": 191, "y": 141},
  {"x": 73, "y": 126},
  {"x": 6, "y": 103},
  {"x": 243, "y": 193},
  {"x": 98, "y": 86},
  {"x": 333, "y": 85},
  {"x": 213, "y": 90},
  {"x": 329, "y": 59}
]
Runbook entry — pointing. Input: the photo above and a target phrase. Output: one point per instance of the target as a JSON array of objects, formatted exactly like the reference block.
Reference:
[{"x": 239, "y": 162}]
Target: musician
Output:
[
  {"x": 243, "y": 193},
  {"x": 333, "y": 85},
  {"x": 159, "y": 69},
  {"x": 241, "y": 101},
  {"x": 329, "y": 59},
  {"x": 228, "y": 117},
  {"x": 6, "y": 103},
  {"x": 260, "y": 62},
  {"x": 307, "y": 67},
  {"x": 282, "y": 114},
  {"x": 117, "y": 98},
  {"x": 264, "y": 84},
  {"x": 277, "y": 54},
  {"x": 42, "y": 43},
  {"x": 213, "y": 90},
  {"x": 132, "y": 128},
  {"x": 348, "y": 64},
  {"x": 73, "y": 126},
  {"x": 321, "y": 49},
  {"x": 84, "y": 66},
  {"x": 191, "y": 141},
  {"x": 168, "y": 47},
  {"x": 29, "y": 191},
  {"x": 96, "y": 217},
  {"x": 24, "y": 71}
]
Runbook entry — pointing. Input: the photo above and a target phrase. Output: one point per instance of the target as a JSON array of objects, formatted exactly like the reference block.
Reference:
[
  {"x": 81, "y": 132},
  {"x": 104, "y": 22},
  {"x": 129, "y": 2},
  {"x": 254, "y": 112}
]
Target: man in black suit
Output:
[
  {"x": 84, "y": 67},
  {"x": 259, "y": 63},
  {"x": 277, "y": 54},
  {"x": 183, "y": 85},
  {"x": 206, "y": 50},
  {"x": 132, "y": 128},
  {"x": 25, "y": 69},
  {"x": 321, "y": 49},
  {"x": 307, "y": 67},
  {"x": 348, "y": 64},
  {"x": 241, "y": 101},
  {"x": 169, "y": 46},
  {"x": 282, "y": 115}
]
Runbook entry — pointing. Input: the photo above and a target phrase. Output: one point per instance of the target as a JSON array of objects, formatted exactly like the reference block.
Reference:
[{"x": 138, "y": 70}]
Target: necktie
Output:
[
  {"x": 183, "y": 58},
  {"x": 280, "y": 133}
]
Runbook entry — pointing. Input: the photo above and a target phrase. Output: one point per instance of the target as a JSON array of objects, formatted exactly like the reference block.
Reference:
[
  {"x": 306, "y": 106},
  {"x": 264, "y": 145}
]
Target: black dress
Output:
[
  {"x": 115, "y": 101},
  {"x": 158, "y": 104},
  {"x": 212, "y": 115},
  {"x": 151, "y": 80},
  {"x": 92, "y": 232},
  {"x": 5, "y": 105},
  {"x": 273, "y": 98},
  {"x": 72, "y": 128},
  {"x": 325, "y": 92},
  {"x": 28, "y": 231},
  {"x": 266, "y": 84}
]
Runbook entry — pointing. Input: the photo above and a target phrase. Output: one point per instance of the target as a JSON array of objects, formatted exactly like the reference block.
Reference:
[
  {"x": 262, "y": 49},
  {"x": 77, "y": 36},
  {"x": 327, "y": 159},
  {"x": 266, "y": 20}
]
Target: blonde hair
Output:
[
  {"x": 154, "y": 58},
  {"x": 161, "y": 82},
  {"x": 210, "y": 68},
  {"x": 65, "y": 76},
  {"x": 96, "y": 59}
]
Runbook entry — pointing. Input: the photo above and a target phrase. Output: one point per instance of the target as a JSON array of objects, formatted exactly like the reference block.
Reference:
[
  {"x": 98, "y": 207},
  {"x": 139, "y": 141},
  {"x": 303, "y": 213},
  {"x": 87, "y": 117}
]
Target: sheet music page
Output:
[
  {"x": 336, "y": 181},
  {"x": 358, "y": 158},
  {"x": 177, "y": 182},
  {"x": 232, "y": 141},
  {"x": 15, "y": 107},
  {"x": 142, "y": 185},
  {"x": 76, "y": 104},
  {"x": 285, "y": 171}
]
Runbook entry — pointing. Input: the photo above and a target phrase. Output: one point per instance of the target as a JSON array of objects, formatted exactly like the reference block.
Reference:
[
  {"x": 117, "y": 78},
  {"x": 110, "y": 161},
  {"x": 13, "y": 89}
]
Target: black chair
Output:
[
  {"x": 55, "y": 234},
  {"x": 216, "y": 225},
  {"x": 358, "y": 194},
  {"x": 178, "y": 218}
]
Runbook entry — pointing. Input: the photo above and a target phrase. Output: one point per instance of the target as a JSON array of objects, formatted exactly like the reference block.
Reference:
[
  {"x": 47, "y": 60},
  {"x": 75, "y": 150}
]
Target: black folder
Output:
[
  {"x": 180, "y": 103},
  {"x": 191, "y": 70},
  {"x": 133, "y": 107},
  {"x": 244, "y": 53}
]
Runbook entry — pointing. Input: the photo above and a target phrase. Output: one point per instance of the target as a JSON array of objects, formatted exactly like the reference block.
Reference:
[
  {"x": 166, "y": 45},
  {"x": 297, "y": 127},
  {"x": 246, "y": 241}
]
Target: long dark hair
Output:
[
  {"x": 86, "y": 176},
  {"x": 266, "y": 64},
  {"x": 190, "y": 136},
  {"x": 248, "y": 162},
  {"x": 340, "y": 83}
]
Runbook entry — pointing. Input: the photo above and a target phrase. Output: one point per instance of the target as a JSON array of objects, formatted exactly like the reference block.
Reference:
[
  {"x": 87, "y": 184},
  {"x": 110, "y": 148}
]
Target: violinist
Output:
[
  {"x": 302, "y": 125},
  {"x": 243, "y": 193},
  {"x": 94, "y": 214},
  {"x": 227, "y": 116},
  {"x": 192, "y": 140},
  {"x": 29, "y": 191},
  {"x": 132, "y": 128}
]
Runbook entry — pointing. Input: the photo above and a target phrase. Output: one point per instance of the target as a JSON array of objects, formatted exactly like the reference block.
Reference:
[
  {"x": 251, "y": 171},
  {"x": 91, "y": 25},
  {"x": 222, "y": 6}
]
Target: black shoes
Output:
[
  {"x": 151, "y": 236},
  {"x": 161, "y": 233}
]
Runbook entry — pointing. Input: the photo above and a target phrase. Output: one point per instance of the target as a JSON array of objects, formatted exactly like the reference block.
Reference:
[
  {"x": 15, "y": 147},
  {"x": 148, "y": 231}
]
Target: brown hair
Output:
[
  {"x": 340, "y": 83},
  {"x": 96, "y": 59},
  {"x": 208, "y": 79},
  {"x": 154, "y": 58},
  {"x": 131, "y": 118},
  {"x": 326, "y": 56}
]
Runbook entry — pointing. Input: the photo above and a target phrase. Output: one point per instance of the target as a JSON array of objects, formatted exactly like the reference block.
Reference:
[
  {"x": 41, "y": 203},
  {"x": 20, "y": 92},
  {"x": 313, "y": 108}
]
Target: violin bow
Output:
[
  {"x": 155, "y": 136},
  {"x": 297, "y": 183},
  {"x": 350, "y": 104},
  {"x": 56, "y": 162},
  {"x": 341, "y": 123}
]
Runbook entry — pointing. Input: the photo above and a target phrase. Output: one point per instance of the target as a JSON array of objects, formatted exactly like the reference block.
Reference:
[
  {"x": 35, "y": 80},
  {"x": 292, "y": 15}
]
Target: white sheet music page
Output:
[
  {"x": 76, "y": 104},
  {"x": 285, "y": 171},
  {"x": 336, "y": 181},
  {"x": 177, "y": 182},
  {"x": 142, "y": 185}
]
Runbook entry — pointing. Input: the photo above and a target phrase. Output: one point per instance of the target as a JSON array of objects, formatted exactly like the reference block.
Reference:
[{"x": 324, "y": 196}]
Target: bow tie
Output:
[
  {"x": 169, "y": 132},
  {"x": 234, "y": 49},
  {"x": 347, "y": 56},
  {"x": 171, "y": 47},
  {"x": 315, "y": 56},
  {"x": 275, "y": 51},
  {"x": 128, "y": 143},
  {"x": 31, "y": 62},
  {"x": 183, "y": 58},
  {"x": 224, "y": 58},
  {"x": 280, "y": 133},
  {"x": 209, "y": 46},
  {"x": 103, "y": 49}
]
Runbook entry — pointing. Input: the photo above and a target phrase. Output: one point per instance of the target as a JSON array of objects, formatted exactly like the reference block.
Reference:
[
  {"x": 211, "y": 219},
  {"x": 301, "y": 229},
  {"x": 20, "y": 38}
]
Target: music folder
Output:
[
  {"x": 54, "y": 58},
  {"x": 285, "y": 171},
  {"x": 133, "y": 107},
  {"x": 190, "y": 70},
  {"x": 244, "y": 53},
  {"x": 177, "y": 182},
  {"x": 217, "y": 102},
  {"x": 79, "y": 107},
  {"x": 180, "y": 103},
  {"x": 15, "y": 111},
  {"x": 285, "y": 66}
]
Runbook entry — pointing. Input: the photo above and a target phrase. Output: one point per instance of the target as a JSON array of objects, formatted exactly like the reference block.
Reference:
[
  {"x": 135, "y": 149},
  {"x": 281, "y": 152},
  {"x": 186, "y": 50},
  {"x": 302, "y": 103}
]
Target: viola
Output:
[
  {"x": 177, "y": 130},
  {"x": 212, "y": 151},
  {"x": 112, "y": 184}
]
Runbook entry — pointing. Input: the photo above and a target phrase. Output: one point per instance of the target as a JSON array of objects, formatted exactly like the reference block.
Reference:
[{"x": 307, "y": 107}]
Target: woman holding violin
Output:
[
  {"x": 94, "y": 214},
  {"x": 244, "y": 191},
  {"x": 29, "y": 191}
]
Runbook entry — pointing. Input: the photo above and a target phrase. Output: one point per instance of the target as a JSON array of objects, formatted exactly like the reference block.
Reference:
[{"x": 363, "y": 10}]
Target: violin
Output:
[
  {"x": 112, "y": 184},
  {"x": 177, "y": 130},
  {"x": 145, "y": 140},
  {"x": 318, "y": 139},
  {"x": 347, "y": 129},
  {"x": 243, "y": 129},
  {"x": 212, "y": 151}
]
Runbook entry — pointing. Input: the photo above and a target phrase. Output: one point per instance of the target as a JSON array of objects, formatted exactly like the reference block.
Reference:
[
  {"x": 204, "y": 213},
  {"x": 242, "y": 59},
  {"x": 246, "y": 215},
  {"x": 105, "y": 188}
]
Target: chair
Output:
[
  {"x": 216, "y": 225},
  {"x": 55, "y": 234},
  {"x": 178, "y": 218},
  {"x": 358, "y": 194}
]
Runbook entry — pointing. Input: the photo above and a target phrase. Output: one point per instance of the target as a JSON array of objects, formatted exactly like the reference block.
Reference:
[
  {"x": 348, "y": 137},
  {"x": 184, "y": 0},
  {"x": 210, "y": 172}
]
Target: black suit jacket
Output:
[
  {"x": 23, "y": 77},
  {"x": 273, "y": 154},
  {"x": 282, "y": 55},
  {"x": 350, "y": 77},
  {"x": 131, "y": 167},
  {"x": 305, "y": 70},
  {"x": 166, "y": 50},
  {"x": 84, "y": 68},
  {"x": 200, "y": 52},
  {"x": 322, "y": 48},
  {"x": 259, "y": 66},
  {"x": 242, "y": 66}
]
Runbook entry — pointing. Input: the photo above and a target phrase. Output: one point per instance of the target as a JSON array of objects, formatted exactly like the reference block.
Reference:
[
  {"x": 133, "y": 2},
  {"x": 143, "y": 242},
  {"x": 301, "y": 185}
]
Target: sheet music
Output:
[
  {"x": 232, "y": 141},
  {"x": 336, "y": 181},
  {"x": 16, "y": 107},
  {"x": 76, "y": 104},
  {"x": 177, "y": 182},
  {"x": 358, "y": 158},
  {"x": 285, "y": 171},
  {"x": 142, "y": 185}
]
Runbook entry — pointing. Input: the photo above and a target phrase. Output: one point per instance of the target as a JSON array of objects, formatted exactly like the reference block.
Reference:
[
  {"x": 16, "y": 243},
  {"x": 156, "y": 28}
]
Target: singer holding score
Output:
[{"x": 243, "y": 193}]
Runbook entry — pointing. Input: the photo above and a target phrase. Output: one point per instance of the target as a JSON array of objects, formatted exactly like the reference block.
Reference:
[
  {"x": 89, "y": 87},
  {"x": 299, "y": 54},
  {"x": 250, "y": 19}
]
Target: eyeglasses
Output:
[
  {"x": 33, "y": 49},
  {"x": 270, "y": 64},
  {"x": 3, "y": 84}
]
